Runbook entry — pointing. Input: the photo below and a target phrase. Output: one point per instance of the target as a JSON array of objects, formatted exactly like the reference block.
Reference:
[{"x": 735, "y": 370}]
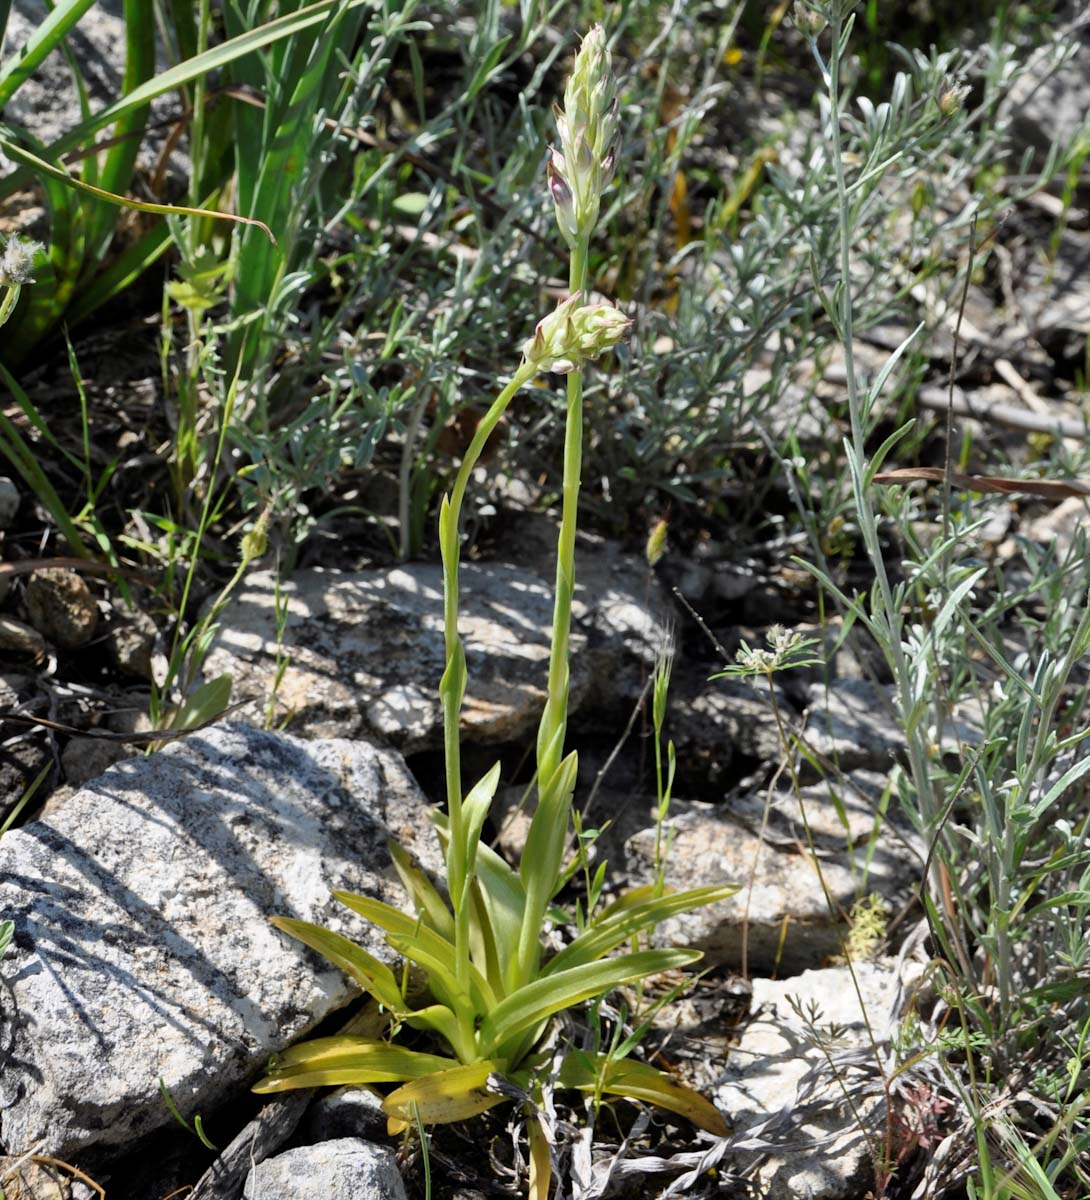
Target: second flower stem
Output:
[{"x": 554, "y": 720}]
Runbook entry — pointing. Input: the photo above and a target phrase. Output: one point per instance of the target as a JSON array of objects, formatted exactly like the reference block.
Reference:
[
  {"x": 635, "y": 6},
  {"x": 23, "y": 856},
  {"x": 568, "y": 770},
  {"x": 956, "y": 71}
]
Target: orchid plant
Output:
[{"x": 491, "y": 991}]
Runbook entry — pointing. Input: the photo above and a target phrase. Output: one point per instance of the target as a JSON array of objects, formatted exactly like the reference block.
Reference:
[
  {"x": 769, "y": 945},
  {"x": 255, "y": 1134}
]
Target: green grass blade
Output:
[
  {"x": 15, "y": 449},
  {"x": 120, "y": 274},
  {"x": 41, "y": 43},
  {"x": 211, "y": 60},
  {"x": 116, "y": 175},
  {"x": 41, "y": 167}
]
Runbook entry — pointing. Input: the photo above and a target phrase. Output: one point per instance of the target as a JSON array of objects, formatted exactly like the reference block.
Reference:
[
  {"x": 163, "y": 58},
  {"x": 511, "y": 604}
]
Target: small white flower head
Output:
[
  {"x": 583, "y": 166},
  {"x": 573, "y": 333},
  {"x": 17, "y": 261}
]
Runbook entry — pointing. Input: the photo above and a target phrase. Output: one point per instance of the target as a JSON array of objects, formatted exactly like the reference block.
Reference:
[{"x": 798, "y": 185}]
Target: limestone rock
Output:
[
  {"x": 766, "y": 1075},
  {"x": 344, "y": 1169},
  {"x": 143, "y": 947},
  {"x": 785, "y": 918},
  {"x": 851, "y": 724},
  {"x": 366, "y": 651}
]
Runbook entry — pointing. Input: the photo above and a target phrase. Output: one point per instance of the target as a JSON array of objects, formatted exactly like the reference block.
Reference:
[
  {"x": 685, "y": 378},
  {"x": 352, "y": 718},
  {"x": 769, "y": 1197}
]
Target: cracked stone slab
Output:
[
  {"x": 366, "y": 652},
  {"x": 143, "y": 947}
]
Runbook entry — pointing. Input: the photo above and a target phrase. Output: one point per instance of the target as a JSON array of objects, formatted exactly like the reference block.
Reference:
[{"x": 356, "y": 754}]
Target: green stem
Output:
[
  {"x": 554, "y": 720},
  {"x": 452, "y": 687}
]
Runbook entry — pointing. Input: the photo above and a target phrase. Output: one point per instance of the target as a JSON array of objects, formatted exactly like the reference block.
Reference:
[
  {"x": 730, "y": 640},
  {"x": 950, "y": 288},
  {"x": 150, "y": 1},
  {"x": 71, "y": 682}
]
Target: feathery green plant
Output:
[{"x": 491, "y": 994}]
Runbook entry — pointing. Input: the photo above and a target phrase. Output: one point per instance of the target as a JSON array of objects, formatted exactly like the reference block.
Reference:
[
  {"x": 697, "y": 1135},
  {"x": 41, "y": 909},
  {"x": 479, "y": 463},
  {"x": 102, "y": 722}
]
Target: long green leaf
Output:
[
  {"x": 121, "y": 157},
  {"x": 436, "y": 956},
  {"x": 341, "y": 1060},
  {"x": 425, "y": 896},
  {"x": 372, "y": 975},
  {"x": 455, "y": 1094},
  {"x": 605, "y": 936},
  {"x": 41, "y": 43},
  {"x": 536, "y": 1001},
  {"x": 475, "y": 808},
  {"x": 540, "y": 865}
]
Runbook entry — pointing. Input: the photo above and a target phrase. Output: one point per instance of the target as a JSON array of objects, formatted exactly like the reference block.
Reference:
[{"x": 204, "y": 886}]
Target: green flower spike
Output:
[{"x": 583, "y": 167}]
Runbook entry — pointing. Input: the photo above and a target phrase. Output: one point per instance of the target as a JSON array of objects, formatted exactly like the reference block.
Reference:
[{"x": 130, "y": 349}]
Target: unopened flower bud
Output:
[
  {"x": 17, "y": 261},
  {"x": 951, "y": 98},
  {"x": 574, "y": 332},
  {"x": 656, "y": 542},
  {"x": 255, "y": 542},
  {"x": 808, "y": 20}
]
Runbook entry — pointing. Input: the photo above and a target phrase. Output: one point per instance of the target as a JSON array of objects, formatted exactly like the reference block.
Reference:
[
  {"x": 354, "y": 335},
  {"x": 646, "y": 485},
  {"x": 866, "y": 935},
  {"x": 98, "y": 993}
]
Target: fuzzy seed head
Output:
[{"x": 17, "y": 261}]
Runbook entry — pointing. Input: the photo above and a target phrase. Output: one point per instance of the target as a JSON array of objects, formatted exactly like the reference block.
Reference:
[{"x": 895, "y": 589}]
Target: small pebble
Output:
[
  {"x": 17, "y": 638},
  {"x": 60, "y": 606},
  {"x": 131, "y": 644}
]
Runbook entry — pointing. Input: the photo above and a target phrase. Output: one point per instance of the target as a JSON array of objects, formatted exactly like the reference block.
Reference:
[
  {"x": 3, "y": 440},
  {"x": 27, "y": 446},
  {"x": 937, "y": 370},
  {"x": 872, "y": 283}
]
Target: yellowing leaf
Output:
[
  {"x": 373, "y": 976},
  {"x": 338, "y": 1060},
  {"x": 639, "y": 1081},
  {"x": 451, "y": 1095}
]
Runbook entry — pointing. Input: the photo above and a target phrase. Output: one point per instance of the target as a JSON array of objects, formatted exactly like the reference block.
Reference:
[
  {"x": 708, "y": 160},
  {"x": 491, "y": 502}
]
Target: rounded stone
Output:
[{"x": 60, "y": 606}]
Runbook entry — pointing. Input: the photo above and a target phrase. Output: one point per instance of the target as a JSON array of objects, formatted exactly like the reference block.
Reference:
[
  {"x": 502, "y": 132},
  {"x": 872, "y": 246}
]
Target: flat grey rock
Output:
[
  {"x": 772, "y": 1059},
  {"x": 143, "y": 947},
  {"x": 366, "y": 651},
  {"x": 344, "y": 1169},
  {"x": 782, "y": 917},
  {"x": 851, "y": 724}
]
